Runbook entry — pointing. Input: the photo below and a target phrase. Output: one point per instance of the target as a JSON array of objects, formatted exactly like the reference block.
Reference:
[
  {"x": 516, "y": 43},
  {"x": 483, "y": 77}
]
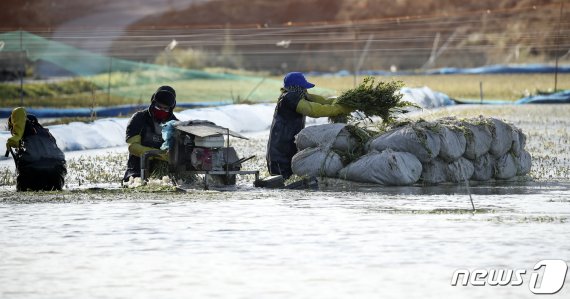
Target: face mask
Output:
[{"x": 160, "y": 115}]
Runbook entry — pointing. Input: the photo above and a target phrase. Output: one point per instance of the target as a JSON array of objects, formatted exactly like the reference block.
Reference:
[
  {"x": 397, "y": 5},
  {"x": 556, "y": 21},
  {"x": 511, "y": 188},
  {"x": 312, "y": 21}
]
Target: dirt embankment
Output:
[
  {"x": 29, "y": 14},
  {"x": 327, "y": 35},
  {"x": 469, "y": 34}
]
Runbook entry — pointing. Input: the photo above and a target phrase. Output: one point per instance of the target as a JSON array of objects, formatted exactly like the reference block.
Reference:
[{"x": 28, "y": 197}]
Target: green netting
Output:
[{"x": 136, "y": 80}]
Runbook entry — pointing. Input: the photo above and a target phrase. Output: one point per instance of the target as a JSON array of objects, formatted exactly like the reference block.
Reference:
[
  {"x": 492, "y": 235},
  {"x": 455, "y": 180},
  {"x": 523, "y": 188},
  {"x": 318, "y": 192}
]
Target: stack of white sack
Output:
[
  {"x": 319, "y": 148},
  {"x": 444, "y": 150}
]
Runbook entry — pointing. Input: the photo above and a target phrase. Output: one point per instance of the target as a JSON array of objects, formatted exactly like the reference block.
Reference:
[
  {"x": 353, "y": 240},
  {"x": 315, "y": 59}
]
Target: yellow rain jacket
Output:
[
  {"x": 137, "y": 149},
  {"x": 317, "y": 106},
  {"x": 17, "y": 125}
]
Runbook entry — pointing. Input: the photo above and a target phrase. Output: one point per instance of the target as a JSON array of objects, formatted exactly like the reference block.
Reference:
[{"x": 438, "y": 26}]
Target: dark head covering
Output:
[
  {"x": 165, "y": 98},
  {"x": 167, "y": 88},
  {"x": 164, "y": 95}
]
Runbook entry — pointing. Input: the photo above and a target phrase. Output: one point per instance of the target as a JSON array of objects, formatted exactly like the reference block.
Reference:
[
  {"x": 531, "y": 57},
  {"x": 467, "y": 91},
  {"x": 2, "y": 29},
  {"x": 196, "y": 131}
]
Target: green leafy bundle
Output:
[{"x": 383, "y": 99}]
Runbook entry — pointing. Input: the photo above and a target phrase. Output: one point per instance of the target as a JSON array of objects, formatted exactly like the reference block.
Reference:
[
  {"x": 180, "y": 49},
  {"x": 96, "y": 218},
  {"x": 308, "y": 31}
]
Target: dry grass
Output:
[
  {"x": 107, "y": 169},
  {"x": 258, "y": 89}
]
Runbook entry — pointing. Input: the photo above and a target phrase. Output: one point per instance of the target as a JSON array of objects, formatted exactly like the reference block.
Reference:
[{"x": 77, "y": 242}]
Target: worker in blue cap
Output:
[{"x": 293, "y": 105}]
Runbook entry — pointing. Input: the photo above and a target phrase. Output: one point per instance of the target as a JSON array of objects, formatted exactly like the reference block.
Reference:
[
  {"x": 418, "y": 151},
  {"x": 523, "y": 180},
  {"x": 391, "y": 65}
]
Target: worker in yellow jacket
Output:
[
  {"x": 293, "y": 105},
  {"x": 144, "y": 131},
  {"x": 40, "y": 164}
]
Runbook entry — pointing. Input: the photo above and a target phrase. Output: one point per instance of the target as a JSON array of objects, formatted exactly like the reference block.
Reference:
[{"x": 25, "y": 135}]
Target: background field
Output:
[{"x": 81, "y": 93}]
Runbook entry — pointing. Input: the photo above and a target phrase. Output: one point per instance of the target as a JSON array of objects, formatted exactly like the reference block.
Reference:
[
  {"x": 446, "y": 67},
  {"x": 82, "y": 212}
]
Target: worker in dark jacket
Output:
[
  {"x": 144, "y": 131},
  {"x": 40, "y": 164},
  {"x": 293, "y": 105}
]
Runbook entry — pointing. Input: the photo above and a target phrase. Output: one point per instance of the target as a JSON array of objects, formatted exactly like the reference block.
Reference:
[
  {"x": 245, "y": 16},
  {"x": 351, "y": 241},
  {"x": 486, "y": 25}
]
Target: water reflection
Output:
[{"x": 480, "y": 188}]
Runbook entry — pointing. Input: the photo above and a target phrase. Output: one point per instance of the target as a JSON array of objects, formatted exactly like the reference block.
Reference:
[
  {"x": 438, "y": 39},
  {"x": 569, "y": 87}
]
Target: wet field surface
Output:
[
  {"x": 394, "y": 242},
  {"x": 341, "y": 241}
]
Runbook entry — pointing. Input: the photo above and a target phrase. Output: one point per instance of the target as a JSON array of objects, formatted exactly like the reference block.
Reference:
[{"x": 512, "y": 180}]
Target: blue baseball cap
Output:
[{"x": 296, "y": 79}]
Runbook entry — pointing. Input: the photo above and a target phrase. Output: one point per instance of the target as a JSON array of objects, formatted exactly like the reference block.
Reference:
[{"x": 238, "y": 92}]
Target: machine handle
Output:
[
  {"x": 240, "y": 161},
  {"x": 10, "y": 151}
]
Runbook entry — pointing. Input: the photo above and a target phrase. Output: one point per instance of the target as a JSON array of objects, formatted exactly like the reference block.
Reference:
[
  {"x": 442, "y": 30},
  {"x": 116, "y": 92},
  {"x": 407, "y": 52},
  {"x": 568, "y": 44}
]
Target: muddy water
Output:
[
  {"x": 379, "y": 242},
  {"x": 382, "y": 243}
]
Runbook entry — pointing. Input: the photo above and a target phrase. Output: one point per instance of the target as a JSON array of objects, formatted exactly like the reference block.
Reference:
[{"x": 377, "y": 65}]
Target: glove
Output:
[
  {"x": 163, "y": 156},
  {"x": 14, "y": 142},
  {"x": 345, "y": 109},
  {"x": 136, "y": 148}
]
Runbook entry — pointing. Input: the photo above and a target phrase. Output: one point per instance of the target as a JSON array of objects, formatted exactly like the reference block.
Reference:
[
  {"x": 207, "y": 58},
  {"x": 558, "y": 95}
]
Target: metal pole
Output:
[
  {"x": 364, "y": 52},
  {"x": 22, "y": 70},
  {"x": 481, "y": 91},
  {"x": 558, "y": 46},
  {"x": 470, "y": 197},
  {"x": 431, "y": 60},
  {"x": 92, "y": 104},
  {"x": 354, "y": 57},
  {"x": 254, "y": 88},
  {"x": 444, "y": 47},
  {"x": 227, "y": 156},
  {"x": 109, "y": 81}
]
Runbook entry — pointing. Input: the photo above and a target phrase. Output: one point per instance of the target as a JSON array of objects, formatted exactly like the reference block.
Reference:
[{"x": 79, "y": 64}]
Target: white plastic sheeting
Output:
[
  {"x": 425, "y": 97},
  {"x": 110, "y": 132},
  {"x": 238, "y": 118}
]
